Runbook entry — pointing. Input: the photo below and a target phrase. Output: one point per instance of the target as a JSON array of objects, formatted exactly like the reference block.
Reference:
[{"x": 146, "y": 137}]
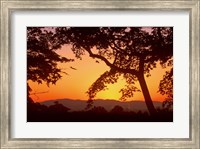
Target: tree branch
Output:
[{"x": 132, "y": 71}]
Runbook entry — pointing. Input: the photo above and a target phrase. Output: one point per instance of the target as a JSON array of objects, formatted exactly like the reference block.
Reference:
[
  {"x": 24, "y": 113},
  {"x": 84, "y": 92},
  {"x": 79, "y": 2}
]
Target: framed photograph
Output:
[
  {"x": 118, "y": 62},
  {"x": 100, "y": 74}
]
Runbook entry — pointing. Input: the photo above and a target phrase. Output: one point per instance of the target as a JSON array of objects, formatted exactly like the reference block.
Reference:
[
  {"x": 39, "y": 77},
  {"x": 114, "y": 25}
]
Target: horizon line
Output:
[{"x": 95, "y": 99}]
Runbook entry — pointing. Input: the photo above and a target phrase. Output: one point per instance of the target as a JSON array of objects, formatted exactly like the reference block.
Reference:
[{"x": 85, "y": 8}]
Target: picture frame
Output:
[{"x": 9, "y": 7}]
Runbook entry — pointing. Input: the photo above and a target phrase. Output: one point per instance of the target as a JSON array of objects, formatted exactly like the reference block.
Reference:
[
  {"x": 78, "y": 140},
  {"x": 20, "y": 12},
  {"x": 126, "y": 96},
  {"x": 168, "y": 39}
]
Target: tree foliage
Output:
[
  {"x": 130, "y": 52},
  {"x": 42, "y": 59},
  {"x": 166, "y": 88}
]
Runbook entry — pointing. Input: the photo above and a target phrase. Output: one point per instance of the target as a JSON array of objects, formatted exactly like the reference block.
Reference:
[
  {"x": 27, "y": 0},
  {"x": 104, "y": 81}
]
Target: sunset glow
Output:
[{"x": 76, "y": 83}]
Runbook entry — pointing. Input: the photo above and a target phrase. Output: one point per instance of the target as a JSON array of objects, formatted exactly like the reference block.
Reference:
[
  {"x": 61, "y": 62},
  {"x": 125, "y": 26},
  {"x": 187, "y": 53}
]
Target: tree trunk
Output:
[{"x": 146, "y": 95}]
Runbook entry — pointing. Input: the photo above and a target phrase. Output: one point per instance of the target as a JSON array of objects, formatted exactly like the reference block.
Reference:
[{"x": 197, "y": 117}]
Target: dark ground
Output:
[{"x": 59, "y": 113}]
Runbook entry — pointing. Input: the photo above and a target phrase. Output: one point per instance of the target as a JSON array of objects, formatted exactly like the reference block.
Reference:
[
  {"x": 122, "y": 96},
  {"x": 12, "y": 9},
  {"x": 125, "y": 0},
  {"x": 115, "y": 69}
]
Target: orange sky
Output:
[{"x": 75, "y": 85}]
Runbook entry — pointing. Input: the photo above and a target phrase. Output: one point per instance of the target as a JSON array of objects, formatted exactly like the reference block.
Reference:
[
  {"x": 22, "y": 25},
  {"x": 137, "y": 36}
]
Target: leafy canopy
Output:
[
  {"x": 130, "y": 52},
  {"x": 42, "y": 59}
]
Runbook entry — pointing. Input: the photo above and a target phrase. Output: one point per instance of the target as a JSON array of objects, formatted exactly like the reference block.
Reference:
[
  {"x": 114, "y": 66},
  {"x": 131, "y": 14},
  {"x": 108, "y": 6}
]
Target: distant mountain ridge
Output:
[{"x": 78, "y": 105}]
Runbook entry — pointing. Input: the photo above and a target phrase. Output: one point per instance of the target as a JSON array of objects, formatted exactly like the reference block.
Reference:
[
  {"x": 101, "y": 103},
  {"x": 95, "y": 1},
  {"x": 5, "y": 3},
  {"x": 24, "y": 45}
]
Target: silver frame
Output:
[{"x": 7, "y": 7}]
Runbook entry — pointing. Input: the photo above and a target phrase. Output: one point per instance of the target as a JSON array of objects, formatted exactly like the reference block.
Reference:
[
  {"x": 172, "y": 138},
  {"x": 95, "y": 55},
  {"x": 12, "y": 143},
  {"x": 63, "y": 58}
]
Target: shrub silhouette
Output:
[
  {"x": 57, "y": 107},
  {"x": 117, "y": 109}
]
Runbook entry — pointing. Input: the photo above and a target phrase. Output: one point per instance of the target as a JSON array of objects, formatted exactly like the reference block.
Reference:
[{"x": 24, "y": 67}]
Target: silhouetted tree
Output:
[
  {"x": 130, "y": 52},
  {"x": 42, "y": 58},
  {"x": 58, "y": 107},
  {"x": 117, "y": 109},
  {"x": 166, "y": 88}
]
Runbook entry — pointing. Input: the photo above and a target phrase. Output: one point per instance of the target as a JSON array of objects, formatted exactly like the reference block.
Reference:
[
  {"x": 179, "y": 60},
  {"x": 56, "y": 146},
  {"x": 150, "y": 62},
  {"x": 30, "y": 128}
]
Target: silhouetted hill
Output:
[{"x": 78, "y": 105}]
